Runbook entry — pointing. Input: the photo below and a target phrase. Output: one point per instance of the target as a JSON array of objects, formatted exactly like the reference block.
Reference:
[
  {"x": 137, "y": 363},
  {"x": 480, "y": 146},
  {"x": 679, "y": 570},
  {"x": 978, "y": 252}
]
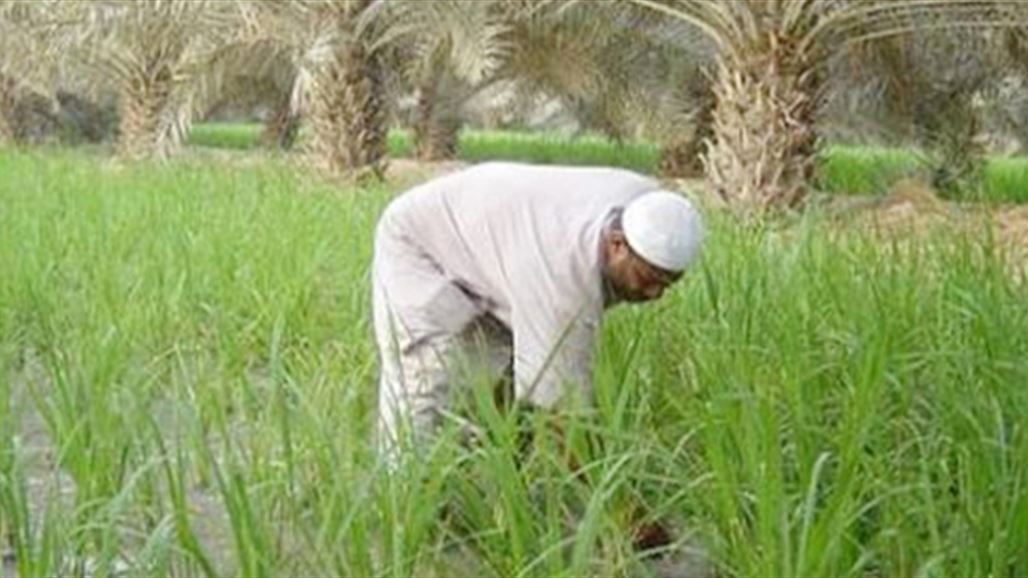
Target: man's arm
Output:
[
  {"x": 553, "y": 374},
  {"x": 647, "y": 534}
]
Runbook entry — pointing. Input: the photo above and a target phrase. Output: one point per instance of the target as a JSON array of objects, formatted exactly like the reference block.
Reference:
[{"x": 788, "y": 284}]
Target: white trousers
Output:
[{"x": 433, "y": 340}]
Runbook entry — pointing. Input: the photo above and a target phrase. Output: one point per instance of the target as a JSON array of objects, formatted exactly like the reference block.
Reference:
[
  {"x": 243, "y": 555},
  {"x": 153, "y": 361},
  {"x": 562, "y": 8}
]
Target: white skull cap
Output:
[{"x": 663, "y": 228}]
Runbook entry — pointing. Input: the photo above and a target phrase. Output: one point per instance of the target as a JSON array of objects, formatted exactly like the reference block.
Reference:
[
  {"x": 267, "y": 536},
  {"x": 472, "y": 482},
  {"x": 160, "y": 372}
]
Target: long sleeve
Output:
[{"x": 553, "y": 354}]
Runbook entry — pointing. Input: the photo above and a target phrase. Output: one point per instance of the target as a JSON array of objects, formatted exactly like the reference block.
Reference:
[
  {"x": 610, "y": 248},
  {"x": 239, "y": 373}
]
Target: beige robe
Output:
[{"x": 513, "y": 243}]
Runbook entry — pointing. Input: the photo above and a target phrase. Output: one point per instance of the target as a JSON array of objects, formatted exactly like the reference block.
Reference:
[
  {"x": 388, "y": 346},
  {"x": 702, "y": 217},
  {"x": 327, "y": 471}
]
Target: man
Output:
[{"x": 514, "y": 264}]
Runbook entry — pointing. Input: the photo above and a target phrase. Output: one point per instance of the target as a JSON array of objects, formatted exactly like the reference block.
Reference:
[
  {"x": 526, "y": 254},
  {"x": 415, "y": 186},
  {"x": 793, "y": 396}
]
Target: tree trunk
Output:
[
  {"x": 280, "y": 129},
  {"x": 347, "y": 110},
  {"x": 437, "y": 125},
  {"x": 8, "y": 113},
  {"x": 682, "y": 158},
  {"x": 142, "y": 103},
  {"x": 762, "y": 153},
  {"x": 948, "y": 125}
]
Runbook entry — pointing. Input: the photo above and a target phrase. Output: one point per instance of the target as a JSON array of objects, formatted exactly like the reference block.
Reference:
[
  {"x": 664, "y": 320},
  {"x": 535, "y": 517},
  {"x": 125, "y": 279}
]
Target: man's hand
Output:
[{"x": 648, "y": 536}]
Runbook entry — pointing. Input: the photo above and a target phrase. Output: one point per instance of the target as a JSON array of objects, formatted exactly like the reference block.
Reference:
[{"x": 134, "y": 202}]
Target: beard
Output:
[
  {"x": 632, "y": 296},
  {"x": 614, "y": 292}
]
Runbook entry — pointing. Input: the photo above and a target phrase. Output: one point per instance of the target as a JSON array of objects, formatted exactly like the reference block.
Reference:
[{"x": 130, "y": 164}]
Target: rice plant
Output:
[{"x": 187, "y": 381}]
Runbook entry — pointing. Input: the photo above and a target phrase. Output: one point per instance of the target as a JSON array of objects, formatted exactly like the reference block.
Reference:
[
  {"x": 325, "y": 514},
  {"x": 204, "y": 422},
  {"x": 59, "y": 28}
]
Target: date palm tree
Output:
[
  {"x": 261, "y": 74},
  {"x": 161, "y": 57},
  {"x": 30, "y": 56},
  {"x": 618, "y": 69},
  {"x": 339, "y": 77},
  {"x": 769, "y": 81},
  {"x": 934, "y": 88},
  {"x": 627, "y": 72}
]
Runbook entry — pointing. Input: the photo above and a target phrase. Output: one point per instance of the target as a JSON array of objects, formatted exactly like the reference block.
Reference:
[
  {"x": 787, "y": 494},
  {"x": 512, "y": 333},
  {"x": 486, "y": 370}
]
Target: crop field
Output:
[{"x": 187, "y": 382}]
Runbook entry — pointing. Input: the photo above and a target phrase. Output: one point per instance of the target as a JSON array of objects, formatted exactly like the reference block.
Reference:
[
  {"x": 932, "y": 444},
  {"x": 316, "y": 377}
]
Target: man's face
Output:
[{"x": 630, "y": 277}]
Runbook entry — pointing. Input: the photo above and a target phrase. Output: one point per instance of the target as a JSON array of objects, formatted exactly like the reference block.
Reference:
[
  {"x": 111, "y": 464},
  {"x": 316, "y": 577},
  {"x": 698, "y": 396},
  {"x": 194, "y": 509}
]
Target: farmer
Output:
[{"x": 512, "y": 265}]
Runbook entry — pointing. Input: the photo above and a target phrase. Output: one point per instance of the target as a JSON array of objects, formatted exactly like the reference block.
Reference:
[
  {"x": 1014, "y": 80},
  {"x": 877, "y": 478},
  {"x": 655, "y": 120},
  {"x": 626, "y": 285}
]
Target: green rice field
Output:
[{"x": 187, "y": 386}]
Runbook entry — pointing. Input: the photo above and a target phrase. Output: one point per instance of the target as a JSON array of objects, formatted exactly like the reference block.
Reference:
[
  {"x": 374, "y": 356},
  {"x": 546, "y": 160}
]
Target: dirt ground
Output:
[
  {"x": 911, "y": 209},
  {"x": 409, "y": 172}
]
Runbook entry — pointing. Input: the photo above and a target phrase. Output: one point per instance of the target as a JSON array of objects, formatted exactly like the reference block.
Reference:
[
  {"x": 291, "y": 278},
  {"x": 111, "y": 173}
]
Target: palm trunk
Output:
[
  {"x": 682, "y": 158},
  {"x": 762, "y": 153},
  {"x": 437, "y": 126},
  {"x": 948, "y": 127},
  {"x": 281, "y": 127},
  {"x": 142, "y": 101},
  {"x": 347, "y": 111},
  {"x": 8, "y": 112}
]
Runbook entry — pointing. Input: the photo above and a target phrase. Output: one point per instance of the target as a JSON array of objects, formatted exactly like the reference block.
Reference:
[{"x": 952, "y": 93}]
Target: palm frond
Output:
[{"x": 30, "y": 49}]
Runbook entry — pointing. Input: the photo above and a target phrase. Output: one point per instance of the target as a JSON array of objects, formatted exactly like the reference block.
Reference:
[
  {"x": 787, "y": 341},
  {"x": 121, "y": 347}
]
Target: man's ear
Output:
[{"x": 617, "y": 240}]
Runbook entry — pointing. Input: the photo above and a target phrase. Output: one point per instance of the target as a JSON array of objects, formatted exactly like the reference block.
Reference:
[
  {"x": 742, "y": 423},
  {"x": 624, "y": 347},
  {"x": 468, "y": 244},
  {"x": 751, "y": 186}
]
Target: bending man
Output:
[{"x": 514, "y": 264}]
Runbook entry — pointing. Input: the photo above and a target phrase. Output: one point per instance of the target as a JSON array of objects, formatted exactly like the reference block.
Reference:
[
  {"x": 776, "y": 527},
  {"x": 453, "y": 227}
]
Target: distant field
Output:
[
  {"x": 843, "y": 169},
  {"x": 187, "y": 378},
  {"x": 473, "y": 146},
  {"x": 870, "y": 170}
]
